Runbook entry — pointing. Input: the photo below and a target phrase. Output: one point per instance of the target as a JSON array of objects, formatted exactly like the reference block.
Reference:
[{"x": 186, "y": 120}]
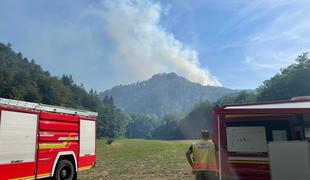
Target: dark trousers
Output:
[{"x": 206, "y": 175}]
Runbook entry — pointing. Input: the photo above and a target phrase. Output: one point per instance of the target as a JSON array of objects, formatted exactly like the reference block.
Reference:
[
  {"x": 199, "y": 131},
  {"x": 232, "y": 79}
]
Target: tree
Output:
[
  {"x": 169, "y": 128},
  {"x": 108, "y": 100},
  {"x": 67, "y": 80},
  {"x": 111, "y": 102},
  {"x": 291, "y": 81},
  {"x": 140, "y": 126},
  {"x": 111, "y": 122},
  {"x": 199, "y": 118},
  {"x": 237, "y": 98}
]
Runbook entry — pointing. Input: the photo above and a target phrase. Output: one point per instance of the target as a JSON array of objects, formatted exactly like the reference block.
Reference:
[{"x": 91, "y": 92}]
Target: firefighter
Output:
[{"x": 201, "y": 156}]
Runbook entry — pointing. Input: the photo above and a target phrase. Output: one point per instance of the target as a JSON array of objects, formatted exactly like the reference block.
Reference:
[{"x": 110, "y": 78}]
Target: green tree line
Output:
[{"x": 23, "y": 79}]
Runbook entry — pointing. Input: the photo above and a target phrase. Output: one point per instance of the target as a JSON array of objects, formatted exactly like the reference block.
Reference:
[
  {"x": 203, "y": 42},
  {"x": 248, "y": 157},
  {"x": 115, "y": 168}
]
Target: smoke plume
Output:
[{"x": 143, "y": 47}]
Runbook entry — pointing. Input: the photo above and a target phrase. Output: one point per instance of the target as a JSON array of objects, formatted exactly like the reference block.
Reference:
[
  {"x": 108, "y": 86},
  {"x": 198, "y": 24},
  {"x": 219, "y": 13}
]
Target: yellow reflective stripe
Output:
[
  {"x": 85, "y": 167},
  {"x": 44, "y": 175},
  {"x": 51, "y": 146},
  {"x": 32, "y": 177},
  {"x": 249, "y": 162},
  {"x": 70, "y": 138},
  {"x": 57, "y": 145}
]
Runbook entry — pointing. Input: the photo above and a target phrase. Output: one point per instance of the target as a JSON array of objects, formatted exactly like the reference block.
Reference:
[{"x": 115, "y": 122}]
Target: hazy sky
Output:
[{"x": 102, "y": 43}]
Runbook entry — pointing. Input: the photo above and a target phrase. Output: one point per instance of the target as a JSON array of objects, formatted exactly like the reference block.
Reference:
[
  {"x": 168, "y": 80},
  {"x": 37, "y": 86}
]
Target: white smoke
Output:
[{"x": 143, "y": 47}]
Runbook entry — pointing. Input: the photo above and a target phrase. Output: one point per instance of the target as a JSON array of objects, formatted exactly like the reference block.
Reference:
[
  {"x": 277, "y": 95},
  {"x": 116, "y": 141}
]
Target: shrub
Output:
[{"x": 110, "y": 141}]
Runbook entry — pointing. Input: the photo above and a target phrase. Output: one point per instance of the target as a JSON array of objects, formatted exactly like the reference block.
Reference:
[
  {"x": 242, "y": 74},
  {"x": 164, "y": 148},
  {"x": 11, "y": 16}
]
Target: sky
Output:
[{"x": 102, "y": 43}]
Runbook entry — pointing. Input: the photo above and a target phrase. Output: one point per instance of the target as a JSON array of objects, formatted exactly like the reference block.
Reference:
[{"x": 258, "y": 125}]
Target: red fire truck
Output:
[
  {"x": 243, "y": 132},
  {"x": 38, "y": 140}
]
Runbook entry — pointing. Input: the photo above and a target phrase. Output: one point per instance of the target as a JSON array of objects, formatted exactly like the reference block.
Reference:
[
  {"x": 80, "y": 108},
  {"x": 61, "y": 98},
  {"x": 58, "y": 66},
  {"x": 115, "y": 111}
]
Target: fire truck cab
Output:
[
  {"x": 38, "y": 140},
  {"x": 243, "y": 133}
]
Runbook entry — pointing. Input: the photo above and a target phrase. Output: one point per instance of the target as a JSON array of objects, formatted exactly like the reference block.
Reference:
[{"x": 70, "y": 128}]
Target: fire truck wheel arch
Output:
[{"x": 63, "y": 154}]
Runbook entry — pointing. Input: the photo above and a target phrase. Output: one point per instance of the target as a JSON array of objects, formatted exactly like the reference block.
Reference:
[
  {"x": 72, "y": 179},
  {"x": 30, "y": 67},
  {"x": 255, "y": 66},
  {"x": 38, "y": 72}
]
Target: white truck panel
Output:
[
  {"x": 246, "y": 139},
  {"x": 18, "y": 132},
  {"x": 289, "y": 160},
  {"x": 87, "y": 137}
]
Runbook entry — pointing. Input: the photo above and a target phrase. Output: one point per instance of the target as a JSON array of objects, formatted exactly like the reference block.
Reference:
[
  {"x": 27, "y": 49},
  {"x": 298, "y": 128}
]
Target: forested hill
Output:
[
  {"x": 22, "y": 79},
  {"x": 163, "y": 94}
]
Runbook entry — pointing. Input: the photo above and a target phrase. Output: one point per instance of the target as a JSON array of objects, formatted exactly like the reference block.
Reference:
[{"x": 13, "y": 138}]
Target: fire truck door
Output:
[{"x": 18, "y": 135}]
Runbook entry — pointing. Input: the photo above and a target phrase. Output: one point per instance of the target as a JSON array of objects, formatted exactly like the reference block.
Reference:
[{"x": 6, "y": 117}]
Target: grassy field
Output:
[{"x": 140, "y": 159}]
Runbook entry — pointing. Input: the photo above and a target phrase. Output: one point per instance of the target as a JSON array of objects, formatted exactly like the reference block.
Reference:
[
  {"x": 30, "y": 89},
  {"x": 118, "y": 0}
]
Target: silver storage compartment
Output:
[{"x": 289, "y": 160}]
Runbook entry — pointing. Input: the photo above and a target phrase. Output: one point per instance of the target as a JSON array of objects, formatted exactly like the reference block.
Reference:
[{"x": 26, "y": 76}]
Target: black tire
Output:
[{"x": 65, "y": 171}]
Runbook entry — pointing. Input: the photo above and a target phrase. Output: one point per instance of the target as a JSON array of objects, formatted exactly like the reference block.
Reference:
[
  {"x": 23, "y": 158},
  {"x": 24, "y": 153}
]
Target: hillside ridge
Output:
[{"x": 164, "y": 93}]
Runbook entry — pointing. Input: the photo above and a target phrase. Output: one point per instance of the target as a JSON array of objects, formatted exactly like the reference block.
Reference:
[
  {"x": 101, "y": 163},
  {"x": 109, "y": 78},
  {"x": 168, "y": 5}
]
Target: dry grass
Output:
[{"x": 140, "y": 159}]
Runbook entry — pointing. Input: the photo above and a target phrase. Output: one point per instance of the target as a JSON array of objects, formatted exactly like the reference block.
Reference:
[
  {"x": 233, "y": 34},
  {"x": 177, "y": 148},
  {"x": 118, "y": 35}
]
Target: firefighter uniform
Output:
[{"x": 204, "y": 159}]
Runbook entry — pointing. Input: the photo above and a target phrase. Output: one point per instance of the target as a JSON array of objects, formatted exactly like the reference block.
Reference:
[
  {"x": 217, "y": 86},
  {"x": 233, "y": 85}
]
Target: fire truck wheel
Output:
[{"x": 64, "y": 171}]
